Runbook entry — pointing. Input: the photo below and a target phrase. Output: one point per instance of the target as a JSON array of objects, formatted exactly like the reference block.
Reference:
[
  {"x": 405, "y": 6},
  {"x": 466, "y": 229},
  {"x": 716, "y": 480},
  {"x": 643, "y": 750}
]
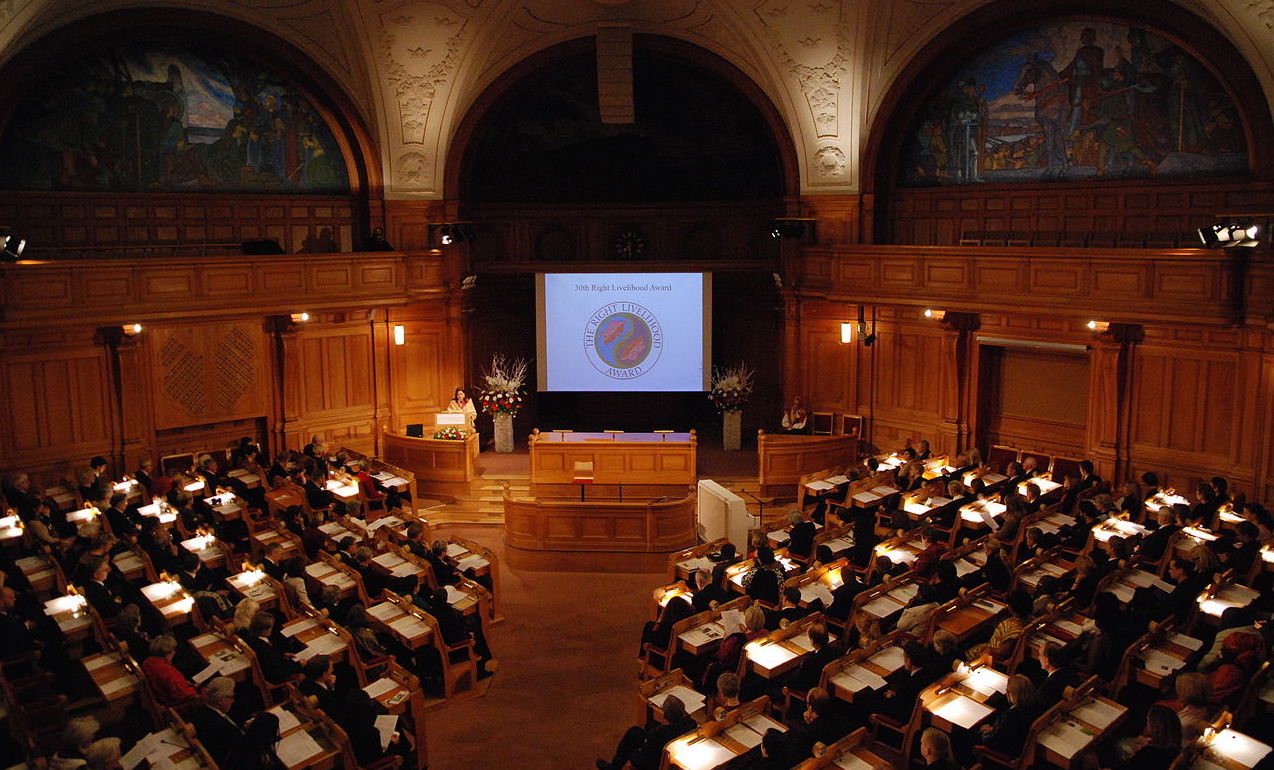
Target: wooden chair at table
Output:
[
  {"x": 687, "y": 554},
  {"x": 647, "y": 711},
  {"x": 339, "y": 754},
  {"x": 1026, "y": 759},
  {"x": 1024, "y": 645},
  {"x": 835, "y": 751},
  {"x": 360, "y": 591},
  {"x": 905, "y": 732},
  {"x": 654, "y": 661},
  {"x": 999, "y": 455},
  {"x": 272, "y": 693},
  {"x": 1247, "y": 707},
  {"x": 1129, "y": 663}
]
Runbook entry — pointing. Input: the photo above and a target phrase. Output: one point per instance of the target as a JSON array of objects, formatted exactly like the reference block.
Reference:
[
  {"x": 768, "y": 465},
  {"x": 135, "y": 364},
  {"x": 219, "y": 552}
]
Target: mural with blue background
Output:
[
  {"x": 1073, "y": 101},
  {"x": 168, "y": 118}
]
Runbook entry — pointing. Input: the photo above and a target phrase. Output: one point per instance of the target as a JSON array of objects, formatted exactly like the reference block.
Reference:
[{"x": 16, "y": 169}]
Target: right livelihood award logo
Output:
[{"x": 623, "y": 340}]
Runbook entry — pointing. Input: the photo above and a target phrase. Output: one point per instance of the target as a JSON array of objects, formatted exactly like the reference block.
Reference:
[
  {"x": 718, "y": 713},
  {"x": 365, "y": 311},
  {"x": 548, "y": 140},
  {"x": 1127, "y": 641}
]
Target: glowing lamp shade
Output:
[
  {"x": 400, "y": 334},
  {"x": 846, "y": 333}
]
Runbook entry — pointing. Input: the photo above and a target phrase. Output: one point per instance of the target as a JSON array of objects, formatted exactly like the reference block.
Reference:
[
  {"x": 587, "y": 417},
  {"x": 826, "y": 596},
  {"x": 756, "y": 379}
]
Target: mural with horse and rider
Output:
[{"x": 1073, "y": 101}]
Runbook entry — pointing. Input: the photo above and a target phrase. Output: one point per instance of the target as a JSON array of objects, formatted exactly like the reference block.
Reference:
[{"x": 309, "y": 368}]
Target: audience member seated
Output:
[
  {"x": 169, "y": 686},
  {"x": 1159, "y": 744},
  {"x": 643, "y": 746},
  {"x": 276, "y": 666},
  {"x": 819, "y": 725},
  {"x": 216, "y": 729},
  {"x": 935, "y": 749},
  {"x": 1007, "y": 733},
  {"x": 763, "y": 580},
  {"x": 255, "y": 751},
  {"x": 800, "y": 542}
]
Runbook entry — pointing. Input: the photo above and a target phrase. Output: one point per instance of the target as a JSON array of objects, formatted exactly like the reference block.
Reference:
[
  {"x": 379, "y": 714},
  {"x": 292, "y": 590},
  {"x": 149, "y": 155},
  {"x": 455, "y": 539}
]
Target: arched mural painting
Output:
[
  {"x": 1071, "y": 101},
  {"x": 168, "y": 118}
]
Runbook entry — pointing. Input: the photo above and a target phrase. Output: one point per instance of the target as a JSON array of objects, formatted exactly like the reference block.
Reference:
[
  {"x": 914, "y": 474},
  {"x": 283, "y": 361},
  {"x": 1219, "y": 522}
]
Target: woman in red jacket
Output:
[{"x": 170, "y": 686}]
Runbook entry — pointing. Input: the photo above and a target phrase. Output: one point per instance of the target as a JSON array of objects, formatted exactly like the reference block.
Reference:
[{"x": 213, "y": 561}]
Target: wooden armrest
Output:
[
  {"x": 991, "y": 755},
  {"x": 887, "y": 721}
]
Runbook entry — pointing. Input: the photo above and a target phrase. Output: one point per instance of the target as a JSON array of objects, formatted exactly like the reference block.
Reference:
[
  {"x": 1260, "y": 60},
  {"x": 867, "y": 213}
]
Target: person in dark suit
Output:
[
  {"x": 844, "y": 594},
  {"x": 819, "y": 725},
  {"x": 935, "y": 749},
  {"x": 256, "y": 751},
  {"x": 1058, "y": 672},
  {"x": 124, "y": 524},
  {"x": 644, "y": 747},
  {"x": 807, "y": 674},
  {"x": 444, "y": 573},
  {"x": 315, "y": 495},
  {"x": 1160, "y": 742},
  {"x": 416, "y": 533},
  {"x": 707, "y": 594},
  {"x": 1007, "y": 733},
  {"x": 145, "y": 477},
  {"x": 906, "y": 683},
  {"x": 270, "y": 562},
  {"x": 789, "y": 611},
  {"x": 215, "y": 728},
  {"x": 276, "y": 666},
  {"x": 97, "y": 591},
  {"x": 1152, "y": 546},
  {"x": 319, "y": 683},
  {"x": 15, "y": 637},
  {"x": 801, "y": 536}
]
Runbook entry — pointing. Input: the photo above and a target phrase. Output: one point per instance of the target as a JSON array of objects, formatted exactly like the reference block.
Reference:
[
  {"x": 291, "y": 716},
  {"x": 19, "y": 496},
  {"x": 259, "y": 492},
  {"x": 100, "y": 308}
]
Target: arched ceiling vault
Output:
[{"x": 414, "y": 67}]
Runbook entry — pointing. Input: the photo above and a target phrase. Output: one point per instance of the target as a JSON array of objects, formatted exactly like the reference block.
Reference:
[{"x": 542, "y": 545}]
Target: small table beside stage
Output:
[{"x": 443, "y": 467}]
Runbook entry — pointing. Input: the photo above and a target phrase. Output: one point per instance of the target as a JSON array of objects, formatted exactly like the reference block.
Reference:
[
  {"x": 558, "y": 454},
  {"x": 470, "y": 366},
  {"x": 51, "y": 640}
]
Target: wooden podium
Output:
[
  {"x": 619, "y": 465},
  {"x": 443, "y": 467}
]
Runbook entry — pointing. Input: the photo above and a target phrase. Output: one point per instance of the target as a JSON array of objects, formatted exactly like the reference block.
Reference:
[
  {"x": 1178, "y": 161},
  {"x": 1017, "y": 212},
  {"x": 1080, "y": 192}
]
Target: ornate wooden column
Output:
[
  {"x": 1110, "y": 373},
  {"x": 134, "y": 433},
  {"x": 287, "y": 378},
  {"x": 954, "y": 431}
]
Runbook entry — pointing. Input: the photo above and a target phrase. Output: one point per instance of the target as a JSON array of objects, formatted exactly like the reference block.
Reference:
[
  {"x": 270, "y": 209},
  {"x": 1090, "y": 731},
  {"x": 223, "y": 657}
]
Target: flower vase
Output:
[
  {"x": 732, "y": 429},
  {"x": 503, "y": 432}
]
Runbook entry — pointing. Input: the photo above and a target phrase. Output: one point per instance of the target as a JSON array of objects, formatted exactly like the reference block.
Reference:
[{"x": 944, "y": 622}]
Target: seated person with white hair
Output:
[{"x": 216, "y": 729}]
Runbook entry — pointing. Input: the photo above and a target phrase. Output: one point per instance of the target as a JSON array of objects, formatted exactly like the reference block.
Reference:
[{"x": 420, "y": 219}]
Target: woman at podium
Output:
[{"x": 462, "y": 403}]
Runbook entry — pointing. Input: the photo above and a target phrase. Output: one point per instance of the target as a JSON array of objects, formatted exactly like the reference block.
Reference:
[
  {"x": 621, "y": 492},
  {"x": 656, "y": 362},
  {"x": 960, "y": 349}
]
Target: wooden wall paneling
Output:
[
  {"x": 57, "y": 409},
  {"x": 334, "y": 366},
  {"x": 828, "y": 376},
  {"x": 67, "y": 223},
  {"x": 424, "y": 370},
  {"x": 908, "y": 360},
  {"x": 136, "y": 396}
]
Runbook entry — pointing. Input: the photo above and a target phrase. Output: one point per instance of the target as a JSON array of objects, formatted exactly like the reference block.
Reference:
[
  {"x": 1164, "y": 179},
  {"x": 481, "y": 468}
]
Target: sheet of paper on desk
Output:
[
  {"x": 94, "y": 662},
  {"x": 761, "y": 723},
  {"x": 905, "y": 593},
  {"x": 409, "y": 626},
  {"x": 1122, "y": 592},
  {"x": 404, "y": 569},
  {"x": 292, "y": 629},
  {"x": 1241, "y": 595},
  {"x": 328, "y": 644},
  {"x": 386, "y": 724},
  {"x": 455, "y": 595},
  {"x": 693, "y": 565},
  {"x": 769, "y": 656},
  {"x": 862, "y": 676},
  {"x": 987, "y": 681},
  {"x": 455, "y": 549},
  {"x": 384, "y": 610},
  {"x": 866, "y": 497},
  {"x": 1098, "y": 713},
  {"x": 697, "y": 637},
  {"x": 837, "y": 480},
  {"x": 744, "y": 735},
  {"x": 207, "y": 673},
  {"x": 294, "y": 749},
  {"x": 139, "y": 752},
  {"x": 1160, "y": 662},
  {"x": 1140, "y": 578},
  {"x": 819, "y": 486},
  {"x": 118, "y": 683},
  {"x": 889, "y": 658},
  {"x": 988, "y": 519},
  {"x": 851, "y": 762},
  {"x": 802, "y": 641},
  {"x": 989, "y": 606},
  {"x": 702, "y": 754},
  {"x": 1070, "y": 627},
  {"x": 693, "y": 701},
  {"x": 1236, "y": 746},
  {"x": 882, "y": 607},
  {"x": 838, "y": 544},
  {"x": 287, "y": 720},
  {"x": 388, "y": 560},
  {"x": 779, "y": 536},
  {"x": 1189, "y": 642},
  {"x": 964, "y": 567},
  {"x": 962, "y": 711},
  {"x": 1064, "y": 739},
  {"x": 380, "y": 687},
  {"x": 816, "y": 591},
  {"x": 472, "y": 561}
]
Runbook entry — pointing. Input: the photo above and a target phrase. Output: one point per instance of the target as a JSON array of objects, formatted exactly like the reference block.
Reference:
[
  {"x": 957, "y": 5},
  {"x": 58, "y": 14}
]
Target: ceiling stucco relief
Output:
[
  {"x": 420, "y": 45},
  {"x": 812, "y": 42},
  {"x": 557, "y": 13},
  {"x": 909, "y": 26}
]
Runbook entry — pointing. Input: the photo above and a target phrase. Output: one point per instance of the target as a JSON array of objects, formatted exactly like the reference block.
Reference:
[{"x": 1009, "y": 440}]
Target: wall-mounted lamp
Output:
[
  {"x": 851, "y": 332},
  {"x": 400, "y": 334},
  {"x": 935, "y": 315},
  {"x": 1100, "y": 327},
  {"x": 300, "y": 317},
  {"x": 11, "y": 246},
  {"x": 131, "y": 330}
]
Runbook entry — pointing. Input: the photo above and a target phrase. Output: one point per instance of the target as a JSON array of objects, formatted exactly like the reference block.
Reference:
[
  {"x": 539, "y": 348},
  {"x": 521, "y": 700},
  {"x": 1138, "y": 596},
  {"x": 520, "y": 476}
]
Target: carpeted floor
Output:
[{"x": 566, "y": 687}]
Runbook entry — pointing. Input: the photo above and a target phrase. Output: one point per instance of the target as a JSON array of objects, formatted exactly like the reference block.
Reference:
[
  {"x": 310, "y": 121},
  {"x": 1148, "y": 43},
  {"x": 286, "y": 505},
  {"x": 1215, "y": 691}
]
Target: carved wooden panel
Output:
[
  {"x": 56, "y": 406},
  {"x": 209, "y": 373},
  {"x": 1186, "y": 402},
  {"x": 827, "y": 374},
  {"x": 335, "y": 367}
]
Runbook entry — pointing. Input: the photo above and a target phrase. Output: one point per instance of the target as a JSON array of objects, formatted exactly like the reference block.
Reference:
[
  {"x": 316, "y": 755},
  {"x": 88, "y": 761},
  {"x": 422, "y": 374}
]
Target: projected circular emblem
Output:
[{"x": 623, "y": 340}]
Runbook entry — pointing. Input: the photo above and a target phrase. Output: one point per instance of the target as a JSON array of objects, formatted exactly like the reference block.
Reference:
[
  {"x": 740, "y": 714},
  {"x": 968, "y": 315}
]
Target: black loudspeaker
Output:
[
  {"x": 262, "y": 247},
  {"x": 416, "y": 430}
]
